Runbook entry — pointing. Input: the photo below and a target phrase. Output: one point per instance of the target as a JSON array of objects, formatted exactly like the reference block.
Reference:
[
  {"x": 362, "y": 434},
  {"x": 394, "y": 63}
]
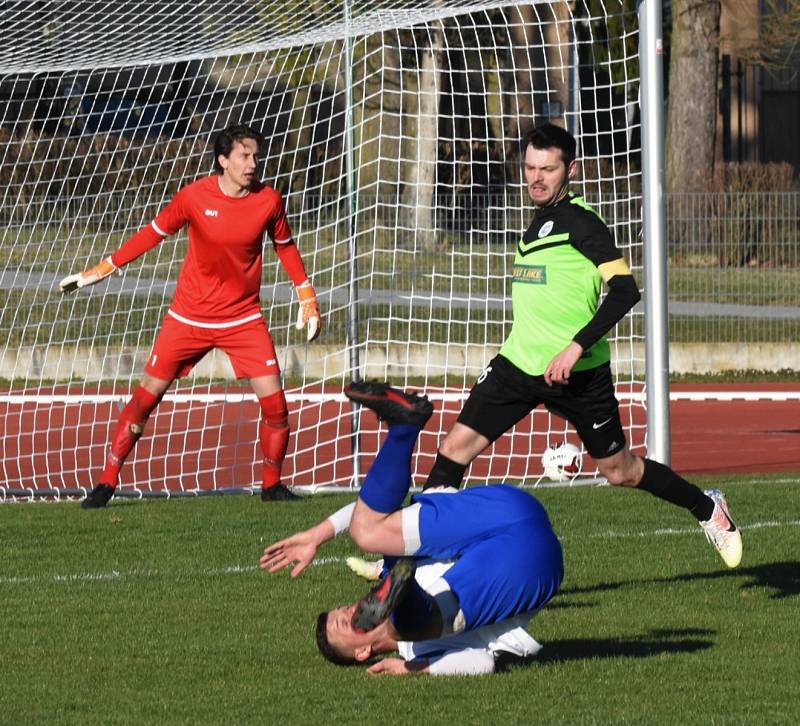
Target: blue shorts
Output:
[{"x": 508, "y": 559}]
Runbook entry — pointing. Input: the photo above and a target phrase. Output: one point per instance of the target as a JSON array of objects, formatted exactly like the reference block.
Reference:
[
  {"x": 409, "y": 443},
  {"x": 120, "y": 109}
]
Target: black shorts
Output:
[{"x": 504, "y": 395}]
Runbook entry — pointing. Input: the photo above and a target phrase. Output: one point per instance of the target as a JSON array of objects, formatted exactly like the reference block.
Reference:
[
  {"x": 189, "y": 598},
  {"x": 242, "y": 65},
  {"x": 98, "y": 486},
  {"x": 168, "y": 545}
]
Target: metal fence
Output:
[
  {"x": 734, "y": 258},
  {"x": 755, "y": 229},
  {"x": 734, "y": 267}
]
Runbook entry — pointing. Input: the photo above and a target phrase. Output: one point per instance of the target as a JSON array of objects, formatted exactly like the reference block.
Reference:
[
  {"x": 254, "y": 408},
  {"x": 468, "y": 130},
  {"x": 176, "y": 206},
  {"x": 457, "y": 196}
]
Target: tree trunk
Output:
[
  {"x": 518, "y": 95},
  {"x": 555, "y": 34},
  {"x": 692, "y": 111},
  {"x": 522, "y": 76},
  {"x": 387, "y": 123},
  {"x": 420, "y": 192},
  {"x": 470, "y": 133}
]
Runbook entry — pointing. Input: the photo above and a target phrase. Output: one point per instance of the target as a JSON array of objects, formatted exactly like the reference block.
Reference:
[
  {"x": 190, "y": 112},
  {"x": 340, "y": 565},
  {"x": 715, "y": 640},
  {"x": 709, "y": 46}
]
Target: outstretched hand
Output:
[
  {"x": 88, "y": 277},
  {"x": 300, "y": 548}
]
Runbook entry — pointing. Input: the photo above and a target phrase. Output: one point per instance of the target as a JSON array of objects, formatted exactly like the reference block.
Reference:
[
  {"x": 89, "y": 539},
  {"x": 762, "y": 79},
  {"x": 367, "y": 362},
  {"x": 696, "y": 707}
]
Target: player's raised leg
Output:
[
  {"x": 376, "y": 524},
  {"x": 390, "y": 404}
]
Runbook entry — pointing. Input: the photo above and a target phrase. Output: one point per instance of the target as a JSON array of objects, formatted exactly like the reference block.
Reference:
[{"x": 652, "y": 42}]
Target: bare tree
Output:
[
  {"x": 556, "y": 40},
  {"x": 777, "y": 45},
  {"x": 420, "y": 177},
  {"x": 692, "y": 111},
  {"x": 526, "y": 44}
]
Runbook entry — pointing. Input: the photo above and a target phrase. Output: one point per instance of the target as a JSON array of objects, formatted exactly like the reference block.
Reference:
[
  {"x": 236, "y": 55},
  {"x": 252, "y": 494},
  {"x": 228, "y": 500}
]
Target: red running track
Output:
[
  {"x": 213, "y": 446},
  {"x": 737, "y": 436}
]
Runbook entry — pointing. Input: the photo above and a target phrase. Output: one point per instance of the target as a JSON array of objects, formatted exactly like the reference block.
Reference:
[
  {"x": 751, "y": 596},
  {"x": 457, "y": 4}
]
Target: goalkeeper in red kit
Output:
[{"x": 216, "y": 302}]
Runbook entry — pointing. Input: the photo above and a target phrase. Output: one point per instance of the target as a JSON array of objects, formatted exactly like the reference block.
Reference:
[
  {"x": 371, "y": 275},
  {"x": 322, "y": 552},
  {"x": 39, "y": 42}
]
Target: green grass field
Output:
[{"x": 154, "y": 613}]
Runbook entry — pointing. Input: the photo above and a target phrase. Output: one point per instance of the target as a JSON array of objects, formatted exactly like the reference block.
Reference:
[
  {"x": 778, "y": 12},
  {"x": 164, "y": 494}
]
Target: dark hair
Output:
[
  {"x": 223, "y": 143},
  {"x": 325, "y": 648},
  {"x": 550, "y": 136}
]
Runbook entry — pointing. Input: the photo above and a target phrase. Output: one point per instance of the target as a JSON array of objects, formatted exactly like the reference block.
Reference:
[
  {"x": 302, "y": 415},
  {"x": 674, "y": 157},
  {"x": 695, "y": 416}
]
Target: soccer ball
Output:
[{"x": 562, "y": 462}]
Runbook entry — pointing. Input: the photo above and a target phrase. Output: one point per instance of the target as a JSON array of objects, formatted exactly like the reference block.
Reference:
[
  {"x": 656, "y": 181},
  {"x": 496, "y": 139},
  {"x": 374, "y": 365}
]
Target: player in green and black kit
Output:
[{"x": 557, "y": 354}]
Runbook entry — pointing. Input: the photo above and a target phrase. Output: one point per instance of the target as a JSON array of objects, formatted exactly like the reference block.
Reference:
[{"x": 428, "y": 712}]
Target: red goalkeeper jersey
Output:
[{"x": 220, "y": 278}]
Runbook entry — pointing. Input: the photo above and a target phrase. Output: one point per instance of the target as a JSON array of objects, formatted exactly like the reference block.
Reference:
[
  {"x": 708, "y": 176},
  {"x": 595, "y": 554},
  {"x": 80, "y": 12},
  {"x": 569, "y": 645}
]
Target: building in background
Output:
[{"x": 759, "y": 107}]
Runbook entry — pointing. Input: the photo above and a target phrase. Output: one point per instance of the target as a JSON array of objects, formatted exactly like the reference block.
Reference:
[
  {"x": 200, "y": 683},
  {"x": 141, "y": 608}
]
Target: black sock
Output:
[
  {"x": 445, "y": 473},
  {"x": 665, "y": 484}
]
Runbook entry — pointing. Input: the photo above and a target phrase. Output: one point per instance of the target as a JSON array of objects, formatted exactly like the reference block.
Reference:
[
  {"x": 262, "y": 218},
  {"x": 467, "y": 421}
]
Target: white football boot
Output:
[
  {"x": 364, "y": 568},
  {"x": 721, "y": 530}
]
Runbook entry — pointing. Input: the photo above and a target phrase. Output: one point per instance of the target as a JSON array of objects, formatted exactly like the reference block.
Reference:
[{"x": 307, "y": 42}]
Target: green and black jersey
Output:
[{"x": 557, "y": 284}]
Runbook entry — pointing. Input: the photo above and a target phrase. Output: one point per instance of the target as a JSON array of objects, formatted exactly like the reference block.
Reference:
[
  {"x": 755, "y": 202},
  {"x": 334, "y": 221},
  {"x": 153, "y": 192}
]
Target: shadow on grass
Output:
[
  {"x": 653, "y": 643},
  {"x": 781, "y": 577}
]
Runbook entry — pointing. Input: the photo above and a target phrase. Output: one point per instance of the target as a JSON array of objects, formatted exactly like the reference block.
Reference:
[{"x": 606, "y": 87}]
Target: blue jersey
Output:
[{"x": 508, "y": 560}]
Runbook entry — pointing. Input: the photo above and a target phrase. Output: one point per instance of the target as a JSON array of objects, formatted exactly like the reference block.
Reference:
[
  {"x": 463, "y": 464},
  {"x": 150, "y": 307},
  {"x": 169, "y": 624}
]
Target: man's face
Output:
[
  {"x": 344, "y": 637},
  {"x": 239, "y": 167},
  {"x": 546, "y": 175}
]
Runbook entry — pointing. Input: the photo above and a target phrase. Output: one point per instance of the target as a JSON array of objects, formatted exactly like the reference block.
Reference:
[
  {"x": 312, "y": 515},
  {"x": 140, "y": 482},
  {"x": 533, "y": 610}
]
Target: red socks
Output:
[
  {"x": 129, "y": 428},
  {"x": 273, "y": 433}
]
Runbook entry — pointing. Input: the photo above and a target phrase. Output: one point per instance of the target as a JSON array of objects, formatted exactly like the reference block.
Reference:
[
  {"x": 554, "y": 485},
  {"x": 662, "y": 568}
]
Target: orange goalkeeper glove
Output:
[
  {"x": 89, "y": 277},
  {"x": 308, "y": 315}
]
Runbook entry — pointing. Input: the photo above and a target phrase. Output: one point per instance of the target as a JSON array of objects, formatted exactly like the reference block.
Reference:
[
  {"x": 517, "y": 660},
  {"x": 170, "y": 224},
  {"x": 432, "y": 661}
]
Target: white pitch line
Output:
[
  {"x": 115, "y": 575},
  {"x": 734, "y": 396},
  {"x": 72, "y": 399},
  {"x": 673, "y": 531},
  {"x": 84, "y": 577},
  {"x": 325, "y": 561},
  {"x": 765, "y": 482}
]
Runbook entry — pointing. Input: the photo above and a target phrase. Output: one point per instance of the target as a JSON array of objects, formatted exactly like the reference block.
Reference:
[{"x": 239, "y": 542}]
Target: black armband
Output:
[{"x": 623, "y": 294}]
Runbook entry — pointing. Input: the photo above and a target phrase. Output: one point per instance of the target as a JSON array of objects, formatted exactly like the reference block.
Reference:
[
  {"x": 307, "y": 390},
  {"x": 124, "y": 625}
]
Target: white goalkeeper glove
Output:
[
  {"x": 308, "y": 314},
  {"x": 88, "y": 277}
]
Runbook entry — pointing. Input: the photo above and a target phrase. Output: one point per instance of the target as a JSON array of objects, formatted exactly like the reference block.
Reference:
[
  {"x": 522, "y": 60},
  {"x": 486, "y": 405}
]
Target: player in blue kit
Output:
[{"x": 464, "y": 570}]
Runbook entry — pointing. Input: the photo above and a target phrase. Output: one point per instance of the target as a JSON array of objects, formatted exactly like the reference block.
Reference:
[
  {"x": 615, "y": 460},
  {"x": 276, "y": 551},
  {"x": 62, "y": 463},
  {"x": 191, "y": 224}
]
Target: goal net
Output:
[{"x": 393, "y": 133}]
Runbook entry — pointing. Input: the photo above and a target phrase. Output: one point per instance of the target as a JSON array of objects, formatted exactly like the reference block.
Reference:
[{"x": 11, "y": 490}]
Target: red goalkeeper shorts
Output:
[{"x": 180, "y": 347}]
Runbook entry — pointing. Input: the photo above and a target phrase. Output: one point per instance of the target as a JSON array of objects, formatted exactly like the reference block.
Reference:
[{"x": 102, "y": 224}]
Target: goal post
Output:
[
  {"x": 393, "y": 132},
  {"x": 651, "y": 50}
]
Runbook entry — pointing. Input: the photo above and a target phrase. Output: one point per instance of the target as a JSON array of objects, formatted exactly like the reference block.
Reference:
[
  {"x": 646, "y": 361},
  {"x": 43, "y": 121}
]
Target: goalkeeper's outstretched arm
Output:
[{"x": 145, "y": 239}]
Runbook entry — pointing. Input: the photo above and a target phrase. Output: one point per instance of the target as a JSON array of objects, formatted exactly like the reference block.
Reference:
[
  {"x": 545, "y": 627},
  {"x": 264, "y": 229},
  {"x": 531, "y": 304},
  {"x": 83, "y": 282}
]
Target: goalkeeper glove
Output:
[
  {"x": 89, "y": 277},
  {"x": 308, "y": 314}
]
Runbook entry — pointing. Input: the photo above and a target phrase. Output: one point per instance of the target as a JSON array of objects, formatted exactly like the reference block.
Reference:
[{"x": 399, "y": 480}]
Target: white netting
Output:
[{"x": 393, "y": 132}]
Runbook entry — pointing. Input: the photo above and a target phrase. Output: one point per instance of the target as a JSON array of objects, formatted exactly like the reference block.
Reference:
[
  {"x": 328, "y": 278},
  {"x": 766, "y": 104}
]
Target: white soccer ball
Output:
[{"x": 562, "y": 462}]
